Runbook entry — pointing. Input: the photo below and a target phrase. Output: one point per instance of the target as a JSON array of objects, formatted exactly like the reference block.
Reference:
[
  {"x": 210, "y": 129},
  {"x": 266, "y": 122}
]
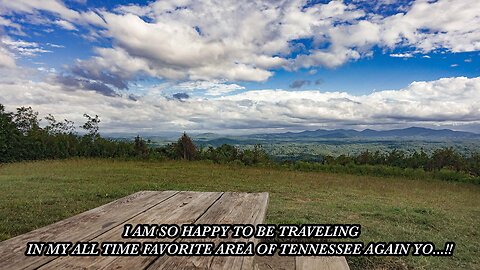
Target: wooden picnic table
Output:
[{"x": 106, "y": 224}]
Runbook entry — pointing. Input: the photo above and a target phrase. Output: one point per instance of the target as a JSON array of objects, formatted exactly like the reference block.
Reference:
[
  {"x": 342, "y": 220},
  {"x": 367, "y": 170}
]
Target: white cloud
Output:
[
  {"x": 53, "y": 45},
  {"x": 209, "y": 45},
  {"x": 228, "y": 40},
  {"x": 66, "y": 25},
  {"x": 444, "y": 102},
  {"x": 455, "y": 30},
  {"x": 55, "y": 7},
  {"x": 9, "y": 23},
  {"x": 403, "y": 55},
  {"x": 237, "y": 41},
  {"x": 21, "y": 47},
  {"x": 207, "y": 40}
]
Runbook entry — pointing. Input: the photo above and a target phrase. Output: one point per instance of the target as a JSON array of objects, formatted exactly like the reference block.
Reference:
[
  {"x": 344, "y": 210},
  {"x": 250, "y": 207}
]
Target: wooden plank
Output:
[
  {"x": 82, "y": 227},
  {"x": 231, "y": 208},
  {"x": 321, "y": 263},
  {"x": 247, "y": 263},
  {"x": 183, "y": 208}
]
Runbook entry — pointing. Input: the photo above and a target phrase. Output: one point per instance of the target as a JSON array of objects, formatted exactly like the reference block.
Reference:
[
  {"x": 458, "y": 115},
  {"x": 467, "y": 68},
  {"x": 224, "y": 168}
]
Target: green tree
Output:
[
  {"x": 26, "y": 120},
  {"x": 396, "y": 158},
  {"x": 140, "y": 147},
  {"x": 185, "y": 147},
  {"x": 474, "y": 164},
  {"x": 54, "y": 127},
  {"x": 9, "y": 137},
  {"x": 446, "y": 158},
  {"x": 91, "y": 126}
]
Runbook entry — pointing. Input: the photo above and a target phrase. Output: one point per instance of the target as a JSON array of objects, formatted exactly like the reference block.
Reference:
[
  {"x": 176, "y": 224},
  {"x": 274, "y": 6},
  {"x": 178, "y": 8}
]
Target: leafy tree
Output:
[
  {"x": 140, "y": 147},
  {"x": 185, "y": 148},
  {"x": 259, "y": 155},
  {"x": 9, "y": 136},
  {"x": 446, "y": 158},
  {"x": 396, "y": 158},
  {"x": 474, "y": 164},
  {"x": 54, "y": 127},
  {"x": 26, "y": 120},
  {"x": 367, "y": 157},
  {"x": 91, "y": 126},
  {"x": 418, "y": 160},
  {"x": 226, "y": 153}
]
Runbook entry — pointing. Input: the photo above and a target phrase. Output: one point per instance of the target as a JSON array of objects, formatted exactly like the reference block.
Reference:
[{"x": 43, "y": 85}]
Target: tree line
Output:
[
  {"x": 444, "y": 164},
  {"x": 22, "y": 138},
  {"x": 443, "y": 158}
]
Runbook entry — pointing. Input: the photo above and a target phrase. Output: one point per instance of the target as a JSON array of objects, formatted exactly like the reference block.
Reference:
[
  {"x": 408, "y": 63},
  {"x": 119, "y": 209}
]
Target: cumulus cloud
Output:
[
  {"x": 55, "y": 7},
  {"x": 232, "y": 51},
  {"x": 237, "y": 41},
  {"x": 204, "y": 48},
  {"x": 444, "y": 102},
  {"x": 421, "y": 27},
  {"x": 223, "y": 32}
]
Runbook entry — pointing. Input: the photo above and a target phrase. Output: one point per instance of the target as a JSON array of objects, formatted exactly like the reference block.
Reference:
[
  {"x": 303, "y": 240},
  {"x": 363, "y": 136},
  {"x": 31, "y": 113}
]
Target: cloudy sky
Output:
[{"x": 230, "y": 66}]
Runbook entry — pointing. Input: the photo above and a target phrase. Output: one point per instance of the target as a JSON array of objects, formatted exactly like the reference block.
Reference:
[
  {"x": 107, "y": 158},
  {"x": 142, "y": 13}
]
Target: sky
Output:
[{"x": 241, "y": 67}]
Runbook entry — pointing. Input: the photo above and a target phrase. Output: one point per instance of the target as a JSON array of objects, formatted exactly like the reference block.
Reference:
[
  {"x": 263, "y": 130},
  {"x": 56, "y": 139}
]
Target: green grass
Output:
[{"x": 35, "y": 194}]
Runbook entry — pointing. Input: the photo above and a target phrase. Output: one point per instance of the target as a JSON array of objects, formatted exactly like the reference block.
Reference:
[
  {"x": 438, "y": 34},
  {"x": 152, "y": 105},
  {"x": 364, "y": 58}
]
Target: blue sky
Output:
[{"x": 257, "y": 67}]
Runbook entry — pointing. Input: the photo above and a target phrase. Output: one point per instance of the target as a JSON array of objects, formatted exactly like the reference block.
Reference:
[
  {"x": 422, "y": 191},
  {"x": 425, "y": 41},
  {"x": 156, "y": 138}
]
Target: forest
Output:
[{"x": 22, "y": 138}]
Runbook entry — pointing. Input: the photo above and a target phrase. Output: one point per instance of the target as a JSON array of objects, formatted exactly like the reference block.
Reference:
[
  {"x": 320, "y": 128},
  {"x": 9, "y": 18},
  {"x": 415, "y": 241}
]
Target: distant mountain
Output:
[
  {"x": 411, "y": 132},
  {"x": 337, "y": 136},
  {"x": 421, "y": 132},
  {"x": 334, "y": 136}
]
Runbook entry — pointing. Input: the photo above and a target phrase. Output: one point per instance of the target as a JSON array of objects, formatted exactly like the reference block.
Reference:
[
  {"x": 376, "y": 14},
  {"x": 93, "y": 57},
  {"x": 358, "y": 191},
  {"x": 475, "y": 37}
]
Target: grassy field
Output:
[{"x": 395, "y": 209}]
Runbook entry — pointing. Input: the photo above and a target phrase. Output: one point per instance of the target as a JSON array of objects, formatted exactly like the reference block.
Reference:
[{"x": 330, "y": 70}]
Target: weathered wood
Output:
[
  {"x": 247, "y": 263},
  {"x": 82, "y": 227},
  {"x": 105, "y": 224},
  {"x": 231, "y": 208},
  {"x": 183, "y": 208},
  {"x": 321, "y": 263}
]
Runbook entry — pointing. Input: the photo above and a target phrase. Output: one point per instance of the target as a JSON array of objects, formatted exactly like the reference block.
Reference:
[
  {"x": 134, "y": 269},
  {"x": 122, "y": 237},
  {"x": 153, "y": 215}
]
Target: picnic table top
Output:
[{"x": 105, "y": 224}]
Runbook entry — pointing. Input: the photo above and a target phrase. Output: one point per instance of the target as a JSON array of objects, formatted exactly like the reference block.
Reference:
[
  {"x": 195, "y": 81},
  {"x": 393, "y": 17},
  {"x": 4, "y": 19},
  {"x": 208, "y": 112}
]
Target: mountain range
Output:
[{"x": 411, "y": 132}]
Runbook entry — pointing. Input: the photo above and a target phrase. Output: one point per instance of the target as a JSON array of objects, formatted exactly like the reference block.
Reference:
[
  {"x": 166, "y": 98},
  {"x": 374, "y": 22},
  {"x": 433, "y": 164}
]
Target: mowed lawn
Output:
[{"x": 35, "y": 194}]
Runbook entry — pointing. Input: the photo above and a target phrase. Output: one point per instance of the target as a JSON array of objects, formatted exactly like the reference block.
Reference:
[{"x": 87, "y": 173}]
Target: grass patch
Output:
[{"x": 35, "y": 194}]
